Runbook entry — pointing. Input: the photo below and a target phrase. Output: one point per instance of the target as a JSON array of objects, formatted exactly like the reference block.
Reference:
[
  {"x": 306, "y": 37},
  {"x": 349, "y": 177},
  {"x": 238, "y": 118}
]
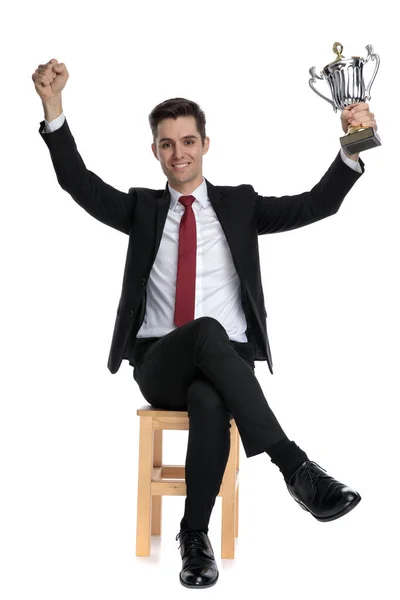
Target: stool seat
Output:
[{"x": 156, "y": 480}]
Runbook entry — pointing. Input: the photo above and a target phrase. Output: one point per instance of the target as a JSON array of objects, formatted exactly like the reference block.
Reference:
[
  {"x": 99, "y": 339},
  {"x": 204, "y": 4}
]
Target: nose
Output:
[{"x": 178, "y": 152}]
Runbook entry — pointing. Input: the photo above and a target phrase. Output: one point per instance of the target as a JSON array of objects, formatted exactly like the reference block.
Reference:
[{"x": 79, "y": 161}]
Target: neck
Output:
[{"x": 187, "y": 187}]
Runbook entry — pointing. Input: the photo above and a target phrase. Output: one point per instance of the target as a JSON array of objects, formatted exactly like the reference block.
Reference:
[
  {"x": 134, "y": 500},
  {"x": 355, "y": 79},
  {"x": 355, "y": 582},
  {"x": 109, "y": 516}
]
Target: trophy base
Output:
[{"x": 360, "y": 140}]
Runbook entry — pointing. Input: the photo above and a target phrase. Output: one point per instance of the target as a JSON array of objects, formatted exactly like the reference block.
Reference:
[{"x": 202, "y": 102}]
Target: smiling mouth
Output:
[{"x": 181, "y": 167}]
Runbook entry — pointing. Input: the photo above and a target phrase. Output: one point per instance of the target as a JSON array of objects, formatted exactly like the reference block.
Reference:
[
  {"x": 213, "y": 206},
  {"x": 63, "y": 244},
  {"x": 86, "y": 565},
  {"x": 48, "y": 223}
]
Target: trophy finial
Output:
[{"x": 336, "y": 50}]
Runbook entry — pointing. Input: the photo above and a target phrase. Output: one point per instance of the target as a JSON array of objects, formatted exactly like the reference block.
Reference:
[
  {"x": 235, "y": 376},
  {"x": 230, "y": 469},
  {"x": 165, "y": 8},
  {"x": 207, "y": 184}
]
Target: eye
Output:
[{"x": 168, "y": 143}]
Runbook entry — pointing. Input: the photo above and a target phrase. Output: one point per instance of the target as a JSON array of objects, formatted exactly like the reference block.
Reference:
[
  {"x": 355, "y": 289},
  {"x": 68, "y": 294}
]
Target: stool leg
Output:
[
  {"x": 144, "y": 487},
  {"x": 228, "y": 500},
  {"x": 156, "y": 504},
  {"x": 237, "y": 486}
]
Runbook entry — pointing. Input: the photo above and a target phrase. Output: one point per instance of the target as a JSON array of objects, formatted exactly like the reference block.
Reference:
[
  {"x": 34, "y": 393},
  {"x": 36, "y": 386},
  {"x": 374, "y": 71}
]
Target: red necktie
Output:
[{"x": 186, "y": 273}]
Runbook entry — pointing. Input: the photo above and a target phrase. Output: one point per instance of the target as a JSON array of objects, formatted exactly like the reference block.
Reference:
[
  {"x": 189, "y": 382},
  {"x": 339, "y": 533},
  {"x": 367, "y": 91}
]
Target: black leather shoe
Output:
[
  {"x": 199, "y": 568},
  {"x": 320, "y": 494}
]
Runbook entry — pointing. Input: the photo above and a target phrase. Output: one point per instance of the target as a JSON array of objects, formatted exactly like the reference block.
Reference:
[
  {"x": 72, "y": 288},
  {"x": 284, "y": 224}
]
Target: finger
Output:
[
  {"x": 47, "y": 73},
  {"x": 366, "y": 123},
  {"x": 360, "y": 107},
  {"x": 357, "y": 111},
  {"x": 350, "y": 107},
  {"x": 346, "y": 115},
  {"x": 362, "y": 117},
  {"x": 353, "y": 106},
  {"x": 45, "y": 81},
  {"x": 371, "y": 123}
]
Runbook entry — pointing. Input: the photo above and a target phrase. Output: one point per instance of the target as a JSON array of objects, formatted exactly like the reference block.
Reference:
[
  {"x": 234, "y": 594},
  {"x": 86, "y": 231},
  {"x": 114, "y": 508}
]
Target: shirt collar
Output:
[{"x": 200, "y": 193}]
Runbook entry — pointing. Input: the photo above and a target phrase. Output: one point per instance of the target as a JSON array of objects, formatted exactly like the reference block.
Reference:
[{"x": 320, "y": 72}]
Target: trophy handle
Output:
[
  {"x": 371, "y": 56},
  {"x": 313, "y": 79}
]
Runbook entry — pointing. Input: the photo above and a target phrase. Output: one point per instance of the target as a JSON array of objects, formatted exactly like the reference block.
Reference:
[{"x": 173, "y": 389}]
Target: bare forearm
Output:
[
  {"x": 52, "y": 109},
  {"x": 352, "y": 156}
]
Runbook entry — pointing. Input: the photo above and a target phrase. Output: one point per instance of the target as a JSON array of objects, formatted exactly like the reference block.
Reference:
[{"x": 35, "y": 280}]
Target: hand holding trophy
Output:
[{"x": 345, "y": 78}]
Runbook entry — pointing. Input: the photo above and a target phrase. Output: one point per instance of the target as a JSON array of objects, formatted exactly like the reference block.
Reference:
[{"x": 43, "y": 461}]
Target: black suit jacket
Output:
[{"x": 141, "y": 214}]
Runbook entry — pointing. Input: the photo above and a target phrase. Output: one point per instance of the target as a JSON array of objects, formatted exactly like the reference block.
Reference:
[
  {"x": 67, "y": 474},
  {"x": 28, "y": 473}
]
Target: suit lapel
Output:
[{"x": 163, "y": 203}]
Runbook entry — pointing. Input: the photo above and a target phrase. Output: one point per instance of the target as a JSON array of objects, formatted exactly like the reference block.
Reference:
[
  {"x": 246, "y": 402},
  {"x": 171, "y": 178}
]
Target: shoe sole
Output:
[
  {"x": 205, "y": 585},
  {"x": 343, "y": 512}
]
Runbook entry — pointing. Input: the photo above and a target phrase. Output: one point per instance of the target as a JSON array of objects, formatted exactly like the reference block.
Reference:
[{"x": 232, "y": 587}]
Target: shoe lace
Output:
[
  {"x": 312, "y": 475},
  {"x": 193, "y": 539}
]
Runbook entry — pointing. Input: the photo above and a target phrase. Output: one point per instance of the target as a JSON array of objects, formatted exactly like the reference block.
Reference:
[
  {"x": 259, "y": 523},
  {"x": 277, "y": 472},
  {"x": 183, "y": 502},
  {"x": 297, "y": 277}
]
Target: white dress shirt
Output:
[{"x": 217, "y": 282}]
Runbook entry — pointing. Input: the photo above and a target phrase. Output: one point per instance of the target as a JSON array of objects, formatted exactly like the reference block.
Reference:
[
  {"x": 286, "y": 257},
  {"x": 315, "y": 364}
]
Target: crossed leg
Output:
[{"x": 197, "y": 368}]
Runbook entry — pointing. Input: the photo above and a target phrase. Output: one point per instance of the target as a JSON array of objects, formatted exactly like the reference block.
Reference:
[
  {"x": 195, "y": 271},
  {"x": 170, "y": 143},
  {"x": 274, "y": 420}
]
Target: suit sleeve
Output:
[
  {"x": 276, "y": 214},
  {"x": 102, "y": 201}
]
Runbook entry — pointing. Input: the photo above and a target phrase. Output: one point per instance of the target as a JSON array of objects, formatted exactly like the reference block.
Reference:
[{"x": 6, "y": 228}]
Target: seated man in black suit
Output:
[{"x": 193, "y": 284}]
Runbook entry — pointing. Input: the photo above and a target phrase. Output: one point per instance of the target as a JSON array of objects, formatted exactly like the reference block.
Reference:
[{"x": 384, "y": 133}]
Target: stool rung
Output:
[
  {"x": 172, "y": 472},
  {"x": 170, "y": 487}
]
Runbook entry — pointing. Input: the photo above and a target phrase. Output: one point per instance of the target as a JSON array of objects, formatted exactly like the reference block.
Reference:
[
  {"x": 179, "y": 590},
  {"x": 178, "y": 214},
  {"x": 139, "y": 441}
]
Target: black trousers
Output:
[{"x": 197, "y": 368}]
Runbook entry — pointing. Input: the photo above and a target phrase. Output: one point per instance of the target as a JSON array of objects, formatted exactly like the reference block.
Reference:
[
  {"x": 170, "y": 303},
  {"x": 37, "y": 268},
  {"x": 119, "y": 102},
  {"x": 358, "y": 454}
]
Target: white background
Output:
[{"x": 68, "y": 429}]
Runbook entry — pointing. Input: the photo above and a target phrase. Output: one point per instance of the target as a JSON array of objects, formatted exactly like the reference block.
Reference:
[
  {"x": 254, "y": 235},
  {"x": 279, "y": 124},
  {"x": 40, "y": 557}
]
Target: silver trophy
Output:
[{"x": 345, "y": 78}]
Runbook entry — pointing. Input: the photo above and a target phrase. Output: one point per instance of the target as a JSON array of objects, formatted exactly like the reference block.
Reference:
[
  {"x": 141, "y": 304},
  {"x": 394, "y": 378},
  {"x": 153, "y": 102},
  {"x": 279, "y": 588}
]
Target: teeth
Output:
[{"x": 181, "y": 166}]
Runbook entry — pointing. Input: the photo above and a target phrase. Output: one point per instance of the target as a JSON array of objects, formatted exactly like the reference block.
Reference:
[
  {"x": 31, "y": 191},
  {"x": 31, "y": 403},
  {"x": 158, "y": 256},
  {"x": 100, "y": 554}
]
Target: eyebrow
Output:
[{"x": 185, "y": 137}]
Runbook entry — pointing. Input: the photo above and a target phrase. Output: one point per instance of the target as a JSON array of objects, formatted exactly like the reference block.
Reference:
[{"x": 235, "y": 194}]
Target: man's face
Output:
[{"x": 179, "y": 142}]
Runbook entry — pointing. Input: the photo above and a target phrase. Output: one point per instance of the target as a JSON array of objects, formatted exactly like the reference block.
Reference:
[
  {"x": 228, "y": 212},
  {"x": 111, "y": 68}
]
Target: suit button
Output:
[
  {"x": 144, "y": 281},
  {"x": 131, "y": 313}
]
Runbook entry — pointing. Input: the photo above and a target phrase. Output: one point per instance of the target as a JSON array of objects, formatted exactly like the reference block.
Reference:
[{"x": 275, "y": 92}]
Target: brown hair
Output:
[{"x": 178, "y": 107}]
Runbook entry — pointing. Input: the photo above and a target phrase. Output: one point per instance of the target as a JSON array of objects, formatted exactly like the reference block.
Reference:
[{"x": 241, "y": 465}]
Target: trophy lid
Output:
[{"x": 338, "y": 49}]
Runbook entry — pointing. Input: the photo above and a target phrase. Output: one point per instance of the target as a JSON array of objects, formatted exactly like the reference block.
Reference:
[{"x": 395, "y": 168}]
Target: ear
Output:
[
  {"x": 153, "y": 147},
  {"x": 206, "y": 144}
]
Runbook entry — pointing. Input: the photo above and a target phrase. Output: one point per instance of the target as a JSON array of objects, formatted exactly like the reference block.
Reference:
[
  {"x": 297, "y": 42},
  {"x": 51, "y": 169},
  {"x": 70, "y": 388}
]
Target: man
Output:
[{"x": 191, "y": 319}]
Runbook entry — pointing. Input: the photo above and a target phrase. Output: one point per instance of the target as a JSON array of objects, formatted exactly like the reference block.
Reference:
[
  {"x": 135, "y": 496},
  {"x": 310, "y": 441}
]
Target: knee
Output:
[
  {"x": 209, "y": 324},
  {"x": 209, "y": 413}
]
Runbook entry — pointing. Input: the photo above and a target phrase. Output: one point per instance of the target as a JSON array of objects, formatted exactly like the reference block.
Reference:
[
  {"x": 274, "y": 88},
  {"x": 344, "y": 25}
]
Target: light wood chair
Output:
[{"x": 153, "y": 485}]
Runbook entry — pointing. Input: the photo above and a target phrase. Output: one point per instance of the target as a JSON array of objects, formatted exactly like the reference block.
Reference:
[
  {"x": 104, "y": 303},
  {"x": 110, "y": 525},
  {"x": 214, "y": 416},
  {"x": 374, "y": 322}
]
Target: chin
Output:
[{"x": 187, "y": 177}]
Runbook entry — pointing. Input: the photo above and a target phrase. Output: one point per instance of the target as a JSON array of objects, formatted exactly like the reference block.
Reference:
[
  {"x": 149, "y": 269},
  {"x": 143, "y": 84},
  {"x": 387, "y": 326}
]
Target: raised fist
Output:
[{"x": 50, "y": 79}]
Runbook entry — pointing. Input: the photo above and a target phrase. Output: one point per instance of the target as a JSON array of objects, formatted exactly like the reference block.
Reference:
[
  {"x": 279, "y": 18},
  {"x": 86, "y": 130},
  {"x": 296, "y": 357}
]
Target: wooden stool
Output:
[{"x": 152, "y": 486}]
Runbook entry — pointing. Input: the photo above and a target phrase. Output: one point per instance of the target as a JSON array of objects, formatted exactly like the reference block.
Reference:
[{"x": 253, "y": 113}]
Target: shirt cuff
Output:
[
  {"x": 353, "y": 164},
  {"x": 55, "y": 123}
]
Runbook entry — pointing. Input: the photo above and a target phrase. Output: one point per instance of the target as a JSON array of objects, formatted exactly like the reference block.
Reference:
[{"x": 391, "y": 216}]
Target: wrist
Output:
[
  {"x": 52, "y": 108},
  {"x": 351, "y": 156}
]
